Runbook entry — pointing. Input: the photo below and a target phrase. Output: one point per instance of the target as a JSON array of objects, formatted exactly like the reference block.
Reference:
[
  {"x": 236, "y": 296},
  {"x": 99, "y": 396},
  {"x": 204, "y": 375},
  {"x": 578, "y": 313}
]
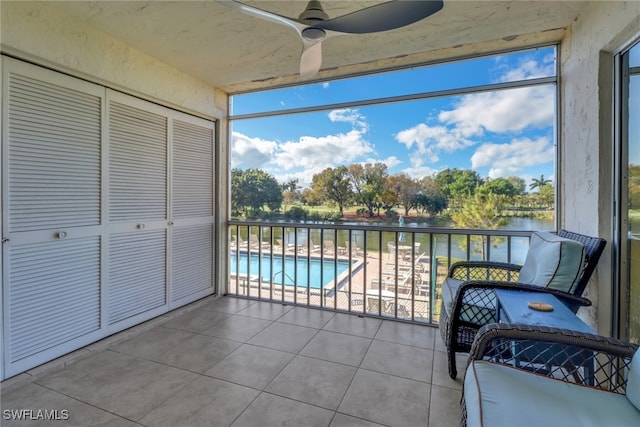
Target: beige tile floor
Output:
[{"x": 237, "y": 362}]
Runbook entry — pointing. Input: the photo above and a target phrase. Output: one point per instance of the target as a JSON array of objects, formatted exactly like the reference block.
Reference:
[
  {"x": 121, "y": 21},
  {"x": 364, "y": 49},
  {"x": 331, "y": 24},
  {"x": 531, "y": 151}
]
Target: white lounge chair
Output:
[
  {"x": 257, "y": 244},
  {"x": 310, "y": 245},
  {"x": 330, "y": 248},
  {"x": 238, "y": 242},
  {"x": 288, "y": 247},
  {"x": 355, "y": 250}
]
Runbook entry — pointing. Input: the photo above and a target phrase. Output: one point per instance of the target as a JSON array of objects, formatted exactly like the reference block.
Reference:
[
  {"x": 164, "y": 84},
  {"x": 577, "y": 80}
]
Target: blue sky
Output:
[{"x": 498, "y": 134}]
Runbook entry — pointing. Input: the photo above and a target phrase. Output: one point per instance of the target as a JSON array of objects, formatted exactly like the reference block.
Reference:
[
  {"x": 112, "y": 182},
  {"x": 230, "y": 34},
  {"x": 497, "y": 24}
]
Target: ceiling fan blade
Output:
[
  {"x": 310, "y": 60},
  {"x": 382, "y": 17},
  {"x": 263, "y": 14},
  {"x": 313, "y": 27}
]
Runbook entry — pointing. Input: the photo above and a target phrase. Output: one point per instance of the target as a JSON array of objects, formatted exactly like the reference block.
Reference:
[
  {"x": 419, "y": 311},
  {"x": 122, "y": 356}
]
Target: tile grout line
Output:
[
  {"x": 86, "y": 403},
  {"x": 355, "y": 374},
  {"x": 263, "y": 390}
]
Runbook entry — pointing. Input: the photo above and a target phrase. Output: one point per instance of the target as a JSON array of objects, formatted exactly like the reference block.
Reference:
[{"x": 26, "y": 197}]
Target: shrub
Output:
[
  {"x": 331, "y": 216},
  {"x": 296, "y": 213},
  {"x": 266, "y": 215},
  {"x": 314, "y": 216}
]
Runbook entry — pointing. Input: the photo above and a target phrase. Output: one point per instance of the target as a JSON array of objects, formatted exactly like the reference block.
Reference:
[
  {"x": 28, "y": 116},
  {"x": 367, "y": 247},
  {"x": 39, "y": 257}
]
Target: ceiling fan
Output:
[{"x": 314, "y": 25}]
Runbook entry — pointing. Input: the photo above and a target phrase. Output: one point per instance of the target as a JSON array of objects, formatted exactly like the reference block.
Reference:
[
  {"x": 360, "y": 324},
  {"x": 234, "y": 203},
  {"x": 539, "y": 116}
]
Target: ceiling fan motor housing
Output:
[
  {"x": 313, "y": 34},
  {"x": 313, "y": 12}
]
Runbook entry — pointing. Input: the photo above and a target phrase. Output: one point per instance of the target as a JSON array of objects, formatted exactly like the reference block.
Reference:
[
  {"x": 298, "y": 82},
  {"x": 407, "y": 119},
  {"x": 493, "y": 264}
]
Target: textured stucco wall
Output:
[
  {"x": 42, "y": 34},
  {"x": 587, "y": 134}
]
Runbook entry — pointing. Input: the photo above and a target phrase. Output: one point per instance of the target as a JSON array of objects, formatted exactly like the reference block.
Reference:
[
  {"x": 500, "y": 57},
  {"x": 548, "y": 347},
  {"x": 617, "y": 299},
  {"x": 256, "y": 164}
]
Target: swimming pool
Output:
[{"x": 285, "y": 272}]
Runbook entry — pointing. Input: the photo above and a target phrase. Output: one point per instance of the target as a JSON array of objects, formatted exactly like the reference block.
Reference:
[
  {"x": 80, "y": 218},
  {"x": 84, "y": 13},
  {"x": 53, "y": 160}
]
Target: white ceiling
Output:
[{"x": 236, "y": 52}]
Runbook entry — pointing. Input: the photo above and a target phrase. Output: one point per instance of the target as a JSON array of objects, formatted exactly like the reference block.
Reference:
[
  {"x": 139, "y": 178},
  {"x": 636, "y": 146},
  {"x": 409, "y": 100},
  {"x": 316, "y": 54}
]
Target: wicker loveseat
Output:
[
  {"x": 559, "y": 264},
  {"x": 526, "y": 376}
]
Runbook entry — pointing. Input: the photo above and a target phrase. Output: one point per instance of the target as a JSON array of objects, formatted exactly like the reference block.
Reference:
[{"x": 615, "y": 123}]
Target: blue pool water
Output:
[{"x": 306, "y": 269}]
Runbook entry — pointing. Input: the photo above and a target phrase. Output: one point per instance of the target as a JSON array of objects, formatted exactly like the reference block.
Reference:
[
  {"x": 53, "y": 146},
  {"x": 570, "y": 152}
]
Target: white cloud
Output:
[
  {"x": 313, "y": 153},
  {"x": 251, "y": 152},
  {"x": 303, "y": 177},
  {"x": 349, "y": 115},
  {"x": 345, "y": 115},
  {"x": 506, "y": 160},
  {"x": 390, "y": 161},
  {"x": 502, "y": 111},
  {"x": 325, "y": 85},
  {"x": 416, "y": 170},
  {"x": 430, "y": 140},
  {"x": 416, "y": 159},
  {"x": 420, "y": 172},
  {"x": 303, "y": 158},
  {"x": 530, "y": 69},
  {"x": 509, "y": 111}
]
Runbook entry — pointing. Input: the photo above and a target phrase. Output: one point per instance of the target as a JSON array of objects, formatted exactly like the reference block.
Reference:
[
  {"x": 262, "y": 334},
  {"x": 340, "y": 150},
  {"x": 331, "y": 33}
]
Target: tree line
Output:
[{"x": 370, "y": 186}]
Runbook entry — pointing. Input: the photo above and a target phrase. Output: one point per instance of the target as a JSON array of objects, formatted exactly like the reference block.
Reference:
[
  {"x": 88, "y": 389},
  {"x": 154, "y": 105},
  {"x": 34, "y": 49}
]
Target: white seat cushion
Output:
[
  {"x": 499, "y": 395},
  {"x": 633, "y": 383},
  {"x": 475, "y": 309},
  {"x": 449, "y": 288},
  {"x": 553, "y": 261}
]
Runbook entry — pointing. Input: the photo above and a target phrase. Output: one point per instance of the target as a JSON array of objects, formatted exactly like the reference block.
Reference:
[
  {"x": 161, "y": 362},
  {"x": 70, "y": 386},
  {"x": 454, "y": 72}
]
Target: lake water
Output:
[
  {"x": 502, "y": 250},
  {"x": 512, "y": 224}
]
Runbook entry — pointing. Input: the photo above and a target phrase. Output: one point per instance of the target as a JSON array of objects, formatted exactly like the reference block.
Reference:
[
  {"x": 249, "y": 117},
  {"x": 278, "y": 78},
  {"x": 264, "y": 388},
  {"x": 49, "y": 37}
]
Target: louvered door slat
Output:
[
  {"x": 30, "y": 85},
  {"x": 137, "y": 273},
  {"x": 60, "y": 140},
  {"x": 53, "y": 292},
  {"x": 137, "y": 164},
  {"x": 53, "y": 155},
  {"x": 192, "y": 260},
  {"x": 192, "y": 170}
]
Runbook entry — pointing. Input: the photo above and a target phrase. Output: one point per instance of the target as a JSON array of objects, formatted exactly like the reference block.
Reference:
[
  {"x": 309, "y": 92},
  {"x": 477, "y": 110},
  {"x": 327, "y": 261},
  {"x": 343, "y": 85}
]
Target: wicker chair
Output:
[
  {"x": 474, "y": 303},
  {"x": 539, "y": 376}
]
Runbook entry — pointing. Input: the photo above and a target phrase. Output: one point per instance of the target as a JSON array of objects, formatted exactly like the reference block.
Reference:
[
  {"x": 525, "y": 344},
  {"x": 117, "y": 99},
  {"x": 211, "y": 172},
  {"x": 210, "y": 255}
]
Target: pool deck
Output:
[{"x": 401, "y": 293}]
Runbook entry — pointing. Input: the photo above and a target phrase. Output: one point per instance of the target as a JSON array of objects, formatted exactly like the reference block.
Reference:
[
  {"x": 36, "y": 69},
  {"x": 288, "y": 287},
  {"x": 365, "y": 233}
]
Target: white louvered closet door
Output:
[
  {"x": 137, "y": 210},
  {"x": 192, "y": 215},
  {"x": 107, "y": 213},
  {"x": 52, "y": 145}
]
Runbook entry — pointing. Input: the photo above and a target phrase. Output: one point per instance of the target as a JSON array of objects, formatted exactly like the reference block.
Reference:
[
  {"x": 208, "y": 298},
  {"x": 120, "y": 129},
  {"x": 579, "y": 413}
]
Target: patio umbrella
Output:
[{"x": 401, "y": 237}]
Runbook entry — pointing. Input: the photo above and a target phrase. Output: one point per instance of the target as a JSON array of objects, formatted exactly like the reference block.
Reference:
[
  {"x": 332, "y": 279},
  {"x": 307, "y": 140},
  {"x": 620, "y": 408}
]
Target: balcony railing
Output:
[{"x": 384, "y": 271}]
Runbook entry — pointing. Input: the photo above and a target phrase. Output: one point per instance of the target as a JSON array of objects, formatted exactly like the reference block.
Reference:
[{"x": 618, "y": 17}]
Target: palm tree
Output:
[
  {"x": 291, "y": 185},
  {"x": 289, "y": 192},
  {"x": 537, "y": 183}
]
